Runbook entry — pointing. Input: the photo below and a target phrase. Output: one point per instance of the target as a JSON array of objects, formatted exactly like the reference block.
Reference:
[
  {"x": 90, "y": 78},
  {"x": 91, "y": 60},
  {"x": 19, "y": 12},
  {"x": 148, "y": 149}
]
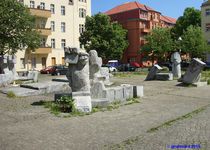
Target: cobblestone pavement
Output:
[
  {"x": 26, "y": 126},
  {"x": 191, "y": 132}
]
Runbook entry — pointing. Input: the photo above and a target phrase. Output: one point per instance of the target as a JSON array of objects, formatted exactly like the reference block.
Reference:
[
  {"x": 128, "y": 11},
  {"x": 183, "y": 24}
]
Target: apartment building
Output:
[
  {"x": 205, "y": 22},
  {"x": 139, "y": 20},
  {"x": 60, "y": 24}
]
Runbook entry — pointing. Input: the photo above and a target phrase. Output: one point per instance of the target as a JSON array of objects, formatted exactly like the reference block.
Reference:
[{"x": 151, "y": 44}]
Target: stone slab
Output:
[
  {"x": 22, "y": 92},
  {"x": 102, "y": 102},
  {"x": 164, "y": 76},
  {"x": 200, "y": 84}
]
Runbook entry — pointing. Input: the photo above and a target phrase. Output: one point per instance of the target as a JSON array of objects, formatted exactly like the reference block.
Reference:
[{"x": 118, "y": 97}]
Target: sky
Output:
[{"x": 172, "y": 8}]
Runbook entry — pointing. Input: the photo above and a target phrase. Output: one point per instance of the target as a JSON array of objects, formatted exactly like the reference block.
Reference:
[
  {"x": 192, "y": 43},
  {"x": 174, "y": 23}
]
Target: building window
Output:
[
  {"x": 52, "y": 25},
  {"x": 22, "y": 63},
  {"x": 42, "y": 24},
  {"x": 52, "y": 8},
  {"x": 207, "y": 27},
  {"x": 43, "y": 42},
  {"x": 42, "y": 5},
  {"x": 21, "y": 1},
  {"x": 208, "y": 41},
  {"x": 82, "y": 13},
  {"x": 63, "y": 43},
  {"x": 63, "y": 27},
  {"x": 71, "y": 2},
  {"x": 63, "y": 11},
  {"x": 81, "y": 28},
  {"x": 207, "y": 12},
  {"x": 32, "y": 4},
  {"x": 82, "y": 1},
  {"x": 53, "y": 43}
]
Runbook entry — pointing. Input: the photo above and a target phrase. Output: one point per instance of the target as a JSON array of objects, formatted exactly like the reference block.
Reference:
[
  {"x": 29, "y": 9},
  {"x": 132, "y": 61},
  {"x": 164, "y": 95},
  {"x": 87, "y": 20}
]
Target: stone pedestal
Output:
[
  {"x": 193, "y": 73},
  {"x": 82, "y": 101},
  {"x": 152, "y": 73}
]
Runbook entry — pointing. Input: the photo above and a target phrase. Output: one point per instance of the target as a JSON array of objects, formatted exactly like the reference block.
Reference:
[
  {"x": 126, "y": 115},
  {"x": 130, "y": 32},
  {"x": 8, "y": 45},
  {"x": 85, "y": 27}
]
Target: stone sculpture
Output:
[
  {"x": 193, "y": 73},
  {"x": 78, "y": 73},
  {"x": 78, "y": 76},
  {"x": 7, "y": 70},
  {"x": 176, "y": 64},
  {"x": 152, "y": 73}
]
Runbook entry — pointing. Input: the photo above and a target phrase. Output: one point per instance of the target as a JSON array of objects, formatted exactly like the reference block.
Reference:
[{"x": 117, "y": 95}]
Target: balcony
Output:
[
  {"x": 42, "y": 50},
  {"x": 45, "y": 31},
  {"x": 43, "y": 13},
  {"x": 145, "y": 30}
]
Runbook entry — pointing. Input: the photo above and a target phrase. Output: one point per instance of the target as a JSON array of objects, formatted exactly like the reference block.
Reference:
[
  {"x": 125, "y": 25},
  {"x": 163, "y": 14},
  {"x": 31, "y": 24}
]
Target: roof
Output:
[
  {"x": 129, "y": 6},
  {"x": 207, "y": 3},
  {"x": 168, "y": 19}
]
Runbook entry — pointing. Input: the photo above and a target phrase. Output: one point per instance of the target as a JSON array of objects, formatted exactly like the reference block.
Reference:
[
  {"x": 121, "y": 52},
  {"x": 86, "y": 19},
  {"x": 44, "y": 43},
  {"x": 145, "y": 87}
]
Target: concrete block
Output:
[
  {"x": 101, "y": 102},
  {"x": 83, "y": 103},
  {"x": 138, "y": 91}
]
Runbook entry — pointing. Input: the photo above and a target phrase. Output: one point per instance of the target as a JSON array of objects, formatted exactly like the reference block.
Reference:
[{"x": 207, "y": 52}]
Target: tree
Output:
[
  {"x": 191, "y": 16},
  {"x": 106, "y": 37},
  {"x": 159, "y": 44},
  {"x": 16, "y": 28},
  {"x": 194, "y": 43}
]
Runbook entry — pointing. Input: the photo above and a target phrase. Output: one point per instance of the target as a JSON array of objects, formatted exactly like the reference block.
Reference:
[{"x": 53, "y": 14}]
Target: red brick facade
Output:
[{"x": 138, "y": 19}]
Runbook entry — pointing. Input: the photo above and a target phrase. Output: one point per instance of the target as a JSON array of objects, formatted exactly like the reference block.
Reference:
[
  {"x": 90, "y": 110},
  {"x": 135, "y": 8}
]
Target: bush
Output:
[{"x": 66, "y": 104}]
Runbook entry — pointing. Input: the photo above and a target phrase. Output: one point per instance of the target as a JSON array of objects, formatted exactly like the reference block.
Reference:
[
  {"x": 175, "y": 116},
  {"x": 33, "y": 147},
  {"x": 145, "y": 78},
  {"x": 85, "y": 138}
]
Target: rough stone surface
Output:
[
  {"x": 176, "y": 64},
  {"x": 193, "y": 73},
  {"x": 152, "y": 73},
  {"x": 97, "y": 89},
  {"x": 78, "y": 72},
  {"x": 164, "y": 76},
  {"x": 95, "y": 64}
]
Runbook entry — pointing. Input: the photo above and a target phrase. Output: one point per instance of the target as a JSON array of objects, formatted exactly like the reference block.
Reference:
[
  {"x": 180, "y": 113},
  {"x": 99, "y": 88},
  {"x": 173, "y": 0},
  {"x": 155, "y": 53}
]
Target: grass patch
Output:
[
  {"x": 206, "y": 76},
  {"x": 67, "y": 109},
  {"x": 171, "y": 122},
  {"x": 11, "y": 94},
  {"x": 129, "y": 74}
]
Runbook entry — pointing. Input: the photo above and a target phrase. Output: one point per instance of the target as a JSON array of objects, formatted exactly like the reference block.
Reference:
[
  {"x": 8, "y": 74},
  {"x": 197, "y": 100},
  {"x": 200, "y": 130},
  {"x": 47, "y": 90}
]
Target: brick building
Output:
[{"x": 139, "y": 20}]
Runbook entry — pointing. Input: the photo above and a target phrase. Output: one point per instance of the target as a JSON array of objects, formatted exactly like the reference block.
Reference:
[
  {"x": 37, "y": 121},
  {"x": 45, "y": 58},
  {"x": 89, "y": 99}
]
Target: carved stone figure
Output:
[
  {"x": 193, "y": 73},
  {"x": 176, "y": 64},
  {"x": 78, "y": 73}
]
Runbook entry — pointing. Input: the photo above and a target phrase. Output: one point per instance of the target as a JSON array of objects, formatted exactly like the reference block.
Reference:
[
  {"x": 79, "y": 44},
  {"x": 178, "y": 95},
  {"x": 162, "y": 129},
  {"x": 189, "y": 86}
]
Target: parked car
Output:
[
  {"x": 111, "y": 68},
  {"x": 59, "y": 70},
  {"x": 126, "y": 67},
  {"x": 47, "y": 70}
]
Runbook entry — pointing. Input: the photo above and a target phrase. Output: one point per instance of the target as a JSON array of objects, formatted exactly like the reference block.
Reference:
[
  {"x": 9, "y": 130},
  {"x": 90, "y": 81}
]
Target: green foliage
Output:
[
  {"x": 159, "y": 43},
  {"x": 11, "y": 94},
  {"x": 66, "y": 104},
  {"x": 194, "y": 43},
  {"x": 16, "y": 28},
  {"x": 108, "y": 38},
  {"x": 191, "y": 16}
]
